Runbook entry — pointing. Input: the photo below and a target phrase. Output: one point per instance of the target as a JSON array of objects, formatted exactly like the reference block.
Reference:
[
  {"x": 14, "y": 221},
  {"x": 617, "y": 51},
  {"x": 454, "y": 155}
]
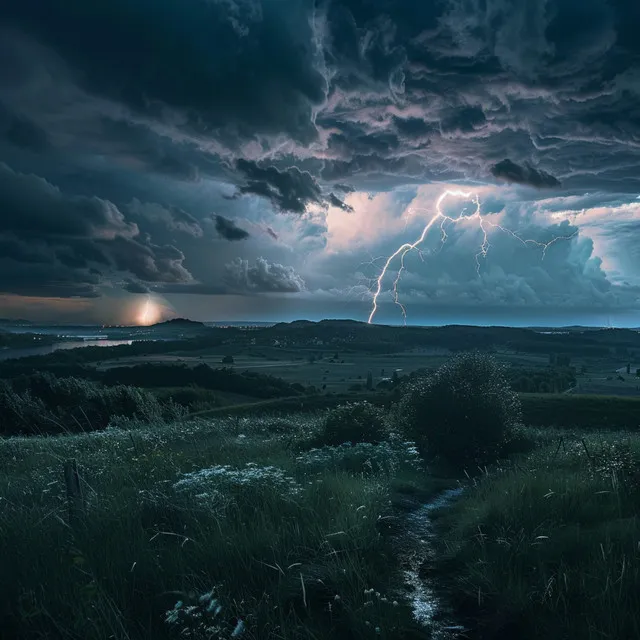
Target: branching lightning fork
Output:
[{"x": 442, "y": 218}]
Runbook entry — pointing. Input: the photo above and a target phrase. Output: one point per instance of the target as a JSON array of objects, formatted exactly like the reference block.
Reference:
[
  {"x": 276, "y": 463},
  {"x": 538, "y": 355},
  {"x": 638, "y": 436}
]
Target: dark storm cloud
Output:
[
  {"x": 524, "y": 174},
  {"x": 63, "y": 245},
  {"x": 288, "y": 189},
  {"x": 539, "y": 80},
  {"x": 336, "y": 202},
  {"x": 170, "y": 217},
  {"x": 412, "y": 127},
  {"x": 52, "y": 280},
  {"x": 262, "y": 276},
  {"x": 137, "y": 110},
  {"x": 464, "y": 120},
  {"x": 196, "y": 288},
  {"x": 229, "y": 230},
  {"x": 32, "y": 207},
  {"x": 147, "y": 261},
  {"x": 355, "y": 141},
  {"x": 127, "y": 140},
  {"x": 372, "y": 165},
  {"x": 134, "y": 286},
  {"x": 20, "y": 131},
  {"x": 226, "y": 63},
  {"x": 472, "y": 81}
]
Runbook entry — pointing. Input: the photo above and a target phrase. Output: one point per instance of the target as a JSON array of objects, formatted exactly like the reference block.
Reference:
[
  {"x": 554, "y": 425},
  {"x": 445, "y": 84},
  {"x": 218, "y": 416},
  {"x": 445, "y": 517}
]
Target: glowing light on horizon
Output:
[
  {"x": 443, "y": 218},
  {"x": 150, "y": 313}
]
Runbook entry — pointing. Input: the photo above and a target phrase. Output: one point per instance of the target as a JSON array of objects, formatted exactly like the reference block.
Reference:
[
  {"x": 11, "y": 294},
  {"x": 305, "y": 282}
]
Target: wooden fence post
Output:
[{"x": 75, "y": 495}]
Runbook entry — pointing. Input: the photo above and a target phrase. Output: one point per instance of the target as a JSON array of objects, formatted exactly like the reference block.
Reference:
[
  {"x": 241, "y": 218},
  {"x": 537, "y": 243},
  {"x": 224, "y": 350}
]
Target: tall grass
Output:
[
  {"x": 549, "y": 547},
  {"x": 45, "y": 404},
  {"x": 263, "y": 544}
]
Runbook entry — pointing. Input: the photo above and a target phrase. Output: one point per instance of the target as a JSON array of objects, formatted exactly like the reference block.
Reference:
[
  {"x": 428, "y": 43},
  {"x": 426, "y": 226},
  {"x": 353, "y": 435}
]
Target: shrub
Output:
[
  {"x": 355, "y": 422},
  {"x": 463, "y": 412}
]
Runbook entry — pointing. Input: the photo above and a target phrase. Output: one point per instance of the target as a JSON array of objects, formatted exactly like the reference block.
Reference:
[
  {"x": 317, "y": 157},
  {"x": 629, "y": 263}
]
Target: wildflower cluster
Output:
[
  {"x": 221, "y": 479},
  {"x": 386, "y": 457},
  {"x": 377, "y": 612},
  {"x": 204, "y": 618}
]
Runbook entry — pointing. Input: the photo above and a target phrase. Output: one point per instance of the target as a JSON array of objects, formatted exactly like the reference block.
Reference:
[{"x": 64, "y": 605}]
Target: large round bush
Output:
[
  {"x": 355, "y": 422},
  {"x": 463, "y": 412}
]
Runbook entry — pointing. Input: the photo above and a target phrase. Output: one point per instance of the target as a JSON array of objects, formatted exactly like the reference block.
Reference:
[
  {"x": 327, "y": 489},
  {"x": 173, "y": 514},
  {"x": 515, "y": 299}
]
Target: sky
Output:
[{"x": 261, "y": 160}]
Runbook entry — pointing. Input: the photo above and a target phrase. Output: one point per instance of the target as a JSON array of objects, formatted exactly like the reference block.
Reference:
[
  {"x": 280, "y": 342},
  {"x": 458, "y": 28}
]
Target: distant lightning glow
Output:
[
  {"x": 150, "y": 312},
  {"x": 442, "y": 218},
  {"x": 146, "y": 311}
]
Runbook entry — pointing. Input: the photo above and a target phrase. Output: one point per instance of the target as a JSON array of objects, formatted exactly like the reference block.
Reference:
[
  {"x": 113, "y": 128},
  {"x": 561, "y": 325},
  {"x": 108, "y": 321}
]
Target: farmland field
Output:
[{"x": 602, "y": 376}]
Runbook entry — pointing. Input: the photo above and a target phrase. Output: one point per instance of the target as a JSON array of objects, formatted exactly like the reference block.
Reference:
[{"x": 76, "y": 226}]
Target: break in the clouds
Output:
[{"x": 270, "y": 152}]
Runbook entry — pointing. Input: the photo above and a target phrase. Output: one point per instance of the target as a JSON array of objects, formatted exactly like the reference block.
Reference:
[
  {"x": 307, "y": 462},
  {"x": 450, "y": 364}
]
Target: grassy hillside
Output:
[
  {"x": 254, "y": 521},
  {"x": 287, "y": 545},
  {"x": 548, "y": 547}
]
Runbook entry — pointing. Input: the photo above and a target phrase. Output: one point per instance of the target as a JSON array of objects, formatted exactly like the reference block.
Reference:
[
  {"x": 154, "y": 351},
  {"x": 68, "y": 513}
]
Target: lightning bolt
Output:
[
  {"x": 443, "y": 219},
  {"x": 147, "y": 309}
]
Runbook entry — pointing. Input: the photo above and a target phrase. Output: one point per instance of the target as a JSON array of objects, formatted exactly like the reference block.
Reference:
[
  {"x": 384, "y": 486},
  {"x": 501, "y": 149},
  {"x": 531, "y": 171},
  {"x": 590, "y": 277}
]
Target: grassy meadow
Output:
[
  {"x": 181, "y": 520},
  {"x": 548, "y": 544},
  {"x": 257, "y": 524}
]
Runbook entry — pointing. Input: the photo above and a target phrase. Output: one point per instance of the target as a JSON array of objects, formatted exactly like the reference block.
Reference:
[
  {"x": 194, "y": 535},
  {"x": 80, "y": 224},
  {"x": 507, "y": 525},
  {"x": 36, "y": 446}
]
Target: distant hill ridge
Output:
[{"x": 176, "y": 322}]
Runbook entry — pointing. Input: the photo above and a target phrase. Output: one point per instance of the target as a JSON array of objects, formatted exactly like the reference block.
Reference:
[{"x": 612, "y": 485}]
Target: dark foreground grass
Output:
[
  {"x": 270, "y": 542},
  {"x": 550, "y": 548}
]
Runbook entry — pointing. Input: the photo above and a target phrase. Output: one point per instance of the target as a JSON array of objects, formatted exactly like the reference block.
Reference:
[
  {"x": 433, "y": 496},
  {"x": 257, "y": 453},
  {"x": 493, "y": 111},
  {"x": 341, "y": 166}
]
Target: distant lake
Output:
[{"x": 7, "y": 354}]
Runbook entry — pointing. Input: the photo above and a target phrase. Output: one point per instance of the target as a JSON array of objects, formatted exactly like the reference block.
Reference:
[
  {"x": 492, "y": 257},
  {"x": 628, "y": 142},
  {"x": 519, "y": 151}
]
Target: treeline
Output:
[
  {"x": 549, "y": 380},
  {"x": 45, "y": 404},
  {"x": 248, "y": 383}
]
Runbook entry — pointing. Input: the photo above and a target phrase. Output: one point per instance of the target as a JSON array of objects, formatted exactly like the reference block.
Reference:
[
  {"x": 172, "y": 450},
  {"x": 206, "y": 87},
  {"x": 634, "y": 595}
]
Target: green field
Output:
[
  {"x": 352, "y": 368},
  {"x": 338, "y": 376}
]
